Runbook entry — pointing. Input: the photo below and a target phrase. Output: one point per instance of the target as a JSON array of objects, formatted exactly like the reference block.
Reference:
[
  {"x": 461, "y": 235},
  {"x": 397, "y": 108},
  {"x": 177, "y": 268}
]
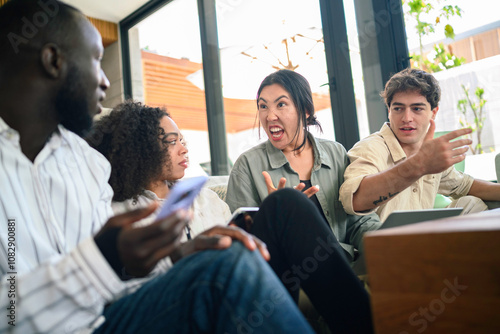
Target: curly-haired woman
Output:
[{"x": 147, "y": 153}]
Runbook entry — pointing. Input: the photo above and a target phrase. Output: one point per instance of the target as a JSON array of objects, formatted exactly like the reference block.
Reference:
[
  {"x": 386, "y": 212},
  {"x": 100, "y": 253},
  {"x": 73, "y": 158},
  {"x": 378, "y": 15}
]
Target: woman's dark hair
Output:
[
  {"x": 133, "y": 141},
  {"x": 300, "y": 91},
  {"x": 412, "y": 80}
]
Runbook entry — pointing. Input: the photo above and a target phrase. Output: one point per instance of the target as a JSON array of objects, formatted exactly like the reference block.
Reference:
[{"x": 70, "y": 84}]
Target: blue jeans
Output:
[{"x": 215, "y": 291}]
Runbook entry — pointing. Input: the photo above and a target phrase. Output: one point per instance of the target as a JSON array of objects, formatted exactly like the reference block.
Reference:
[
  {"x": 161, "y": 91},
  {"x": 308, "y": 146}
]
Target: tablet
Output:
[
  {"x": 238, "y": 217},
  {"x": 406, "y": 217},
  {"x": 238, "y": 213},
  {"x": 182, "y": 195}
]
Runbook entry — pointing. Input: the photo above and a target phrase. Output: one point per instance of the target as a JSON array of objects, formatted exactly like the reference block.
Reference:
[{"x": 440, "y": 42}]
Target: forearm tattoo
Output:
[{"x": 382, "y": 199}]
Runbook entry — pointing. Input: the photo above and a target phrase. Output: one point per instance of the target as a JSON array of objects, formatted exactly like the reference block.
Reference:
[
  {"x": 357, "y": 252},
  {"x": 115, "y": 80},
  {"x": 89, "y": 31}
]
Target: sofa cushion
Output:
[{"x": 218, "y": 184}]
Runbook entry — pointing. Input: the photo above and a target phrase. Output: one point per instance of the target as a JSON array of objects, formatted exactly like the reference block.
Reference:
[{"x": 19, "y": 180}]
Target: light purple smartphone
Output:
[{"x": 182, "y": 195}]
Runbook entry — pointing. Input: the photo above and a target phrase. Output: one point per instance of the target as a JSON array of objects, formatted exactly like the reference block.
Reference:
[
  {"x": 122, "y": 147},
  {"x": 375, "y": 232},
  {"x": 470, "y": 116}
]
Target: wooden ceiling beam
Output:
[{"x": 108, "y": 30}]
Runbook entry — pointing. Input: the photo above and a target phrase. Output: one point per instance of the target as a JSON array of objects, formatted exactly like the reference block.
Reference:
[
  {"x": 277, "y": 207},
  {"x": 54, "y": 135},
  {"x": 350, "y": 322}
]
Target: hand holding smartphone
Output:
[
  {"x": 242, "y": 217},
  {"x": 182, "y": 195}
]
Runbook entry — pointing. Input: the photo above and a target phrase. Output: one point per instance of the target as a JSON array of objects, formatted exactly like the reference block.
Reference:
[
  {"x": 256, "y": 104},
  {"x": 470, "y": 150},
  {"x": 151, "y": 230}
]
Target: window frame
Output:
[{"x": 392, "y": 56}]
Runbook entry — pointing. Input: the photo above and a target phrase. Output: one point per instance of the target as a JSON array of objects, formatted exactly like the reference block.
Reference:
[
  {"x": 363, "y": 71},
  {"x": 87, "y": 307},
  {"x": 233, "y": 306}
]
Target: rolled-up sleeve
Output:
[
  {"x": 455, "y": 183},
  {"x": 362, "y": 163}
]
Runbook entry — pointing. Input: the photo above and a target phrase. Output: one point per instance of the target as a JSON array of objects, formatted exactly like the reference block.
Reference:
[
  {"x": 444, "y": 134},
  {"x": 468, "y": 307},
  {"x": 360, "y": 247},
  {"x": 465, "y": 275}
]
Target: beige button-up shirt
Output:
[{"x": 381, "y": 151}]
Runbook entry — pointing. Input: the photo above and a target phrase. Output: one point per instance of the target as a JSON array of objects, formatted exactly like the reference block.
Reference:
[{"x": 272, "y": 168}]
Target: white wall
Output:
[
  {"x": 112, "y": 66},
  {"x": 199, "y": 148},
  {"x": 484, "y": 73}
]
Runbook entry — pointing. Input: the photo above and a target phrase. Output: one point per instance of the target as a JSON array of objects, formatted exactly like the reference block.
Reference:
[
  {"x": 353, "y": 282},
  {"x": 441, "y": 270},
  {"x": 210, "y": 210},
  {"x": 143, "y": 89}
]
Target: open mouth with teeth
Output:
[{"x": 276, "y": 132}]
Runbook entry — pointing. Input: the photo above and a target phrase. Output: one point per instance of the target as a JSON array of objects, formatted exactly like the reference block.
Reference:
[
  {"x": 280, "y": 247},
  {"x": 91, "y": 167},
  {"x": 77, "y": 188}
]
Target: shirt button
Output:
[
  {"x": 415, "y": 190},
  {"x": 327, "y": 212}
]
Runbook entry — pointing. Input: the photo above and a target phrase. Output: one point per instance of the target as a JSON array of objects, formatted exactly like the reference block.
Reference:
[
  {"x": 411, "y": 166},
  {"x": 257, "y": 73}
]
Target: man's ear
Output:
[
  {"x": 52, "y": 60},
  {"x": 434, "y": 112}
]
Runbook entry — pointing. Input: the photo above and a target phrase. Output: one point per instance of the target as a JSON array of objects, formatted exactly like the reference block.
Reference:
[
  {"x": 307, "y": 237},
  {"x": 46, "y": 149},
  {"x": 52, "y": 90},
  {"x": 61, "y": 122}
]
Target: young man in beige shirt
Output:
[{"x": 402, "y": 167}]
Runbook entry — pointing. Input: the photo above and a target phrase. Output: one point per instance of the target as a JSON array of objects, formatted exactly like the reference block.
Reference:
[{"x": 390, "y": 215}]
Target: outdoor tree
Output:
[
  {"x": 443, "y": 59},
  {"x": 428, "y": 16},
  {"x": 477, "y": 113}
]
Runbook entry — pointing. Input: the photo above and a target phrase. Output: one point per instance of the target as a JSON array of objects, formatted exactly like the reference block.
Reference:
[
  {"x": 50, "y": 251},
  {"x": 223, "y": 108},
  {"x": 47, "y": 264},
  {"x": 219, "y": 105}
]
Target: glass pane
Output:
[
  {"x": 470, "y": 61},
  {"x": 256, "y": 38},
  {"x": 356, "y": 67},
  {"x": 165, "y": 54}
]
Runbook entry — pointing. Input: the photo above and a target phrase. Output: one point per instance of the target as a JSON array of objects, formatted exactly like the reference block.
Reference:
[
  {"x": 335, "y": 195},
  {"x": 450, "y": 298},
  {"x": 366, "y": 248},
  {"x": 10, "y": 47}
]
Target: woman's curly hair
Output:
[{"x": 133, "y": 141}]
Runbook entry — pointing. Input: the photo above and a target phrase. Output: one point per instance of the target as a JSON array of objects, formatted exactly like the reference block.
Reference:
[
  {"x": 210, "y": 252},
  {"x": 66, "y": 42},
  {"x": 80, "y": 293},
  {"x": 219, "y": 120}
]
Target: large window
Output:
[
  {"x": 257, "y": 38},
  {"x": 165, "y": 55},
  {"x": 467, "y": 68},
  {"x": 205, "y": 59}
]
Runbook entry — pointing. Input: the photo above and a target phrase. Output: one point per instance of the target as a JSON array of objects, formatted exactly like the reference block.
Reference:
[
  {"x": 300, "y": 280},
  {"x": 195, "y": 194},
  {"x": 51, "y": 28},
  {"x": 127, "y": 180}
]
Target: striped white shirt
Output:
[{"x": 57, "y": 281}]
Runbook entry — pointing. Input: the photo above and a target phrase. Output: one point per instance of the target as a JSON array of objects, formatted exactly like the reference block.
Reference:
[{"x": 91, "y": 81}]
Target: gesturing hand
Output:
[
  {"x": 309, "y": 192},
  {"x": 219, "y": 237},
  {"x": 270, "y": 186},
  {"x": 438, "y": 154},
  {"x": 269, "y": 183}
]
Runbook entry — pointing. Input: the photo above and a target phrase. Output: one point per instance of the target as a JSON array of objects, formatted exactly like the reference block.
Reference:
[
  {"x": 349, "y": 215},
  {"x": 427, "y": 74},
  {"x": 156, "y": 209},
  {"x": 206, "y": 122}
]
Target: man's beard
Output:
[{"x": 72, "y": 106}]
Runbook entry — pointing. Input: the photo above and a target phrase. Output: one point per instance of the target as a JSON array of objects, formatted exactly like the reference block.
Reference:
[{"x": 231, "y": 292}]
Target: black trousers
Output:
[{"x": 305, "y": 254}]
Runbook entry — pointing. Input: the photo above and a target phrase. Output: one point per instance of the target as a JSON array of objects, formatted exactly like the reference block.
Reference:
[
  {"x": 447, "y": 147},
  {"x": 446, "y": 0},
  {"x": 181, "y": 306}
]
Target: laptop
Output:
[{"x": 401, "y": 218}]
